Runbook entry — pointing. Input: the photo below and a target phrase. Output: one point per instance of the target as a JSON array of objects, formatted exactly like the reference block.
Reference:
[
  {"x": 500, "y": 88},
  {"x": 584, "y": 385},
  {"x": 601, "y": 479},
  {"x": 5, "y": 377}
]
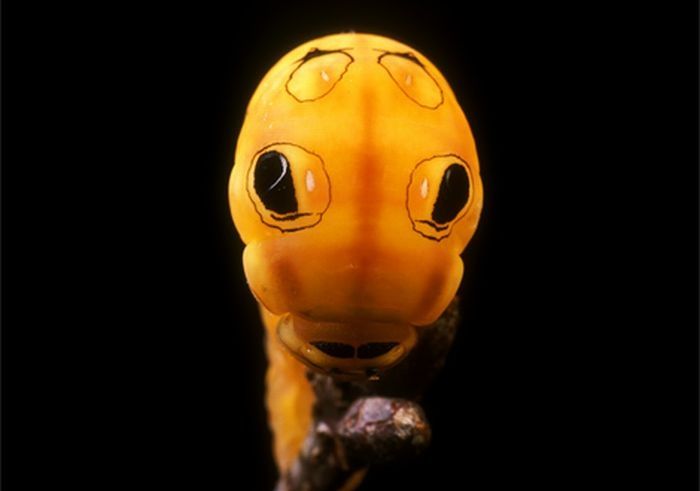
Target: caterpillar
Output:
[{"x": 355, "y": 189}]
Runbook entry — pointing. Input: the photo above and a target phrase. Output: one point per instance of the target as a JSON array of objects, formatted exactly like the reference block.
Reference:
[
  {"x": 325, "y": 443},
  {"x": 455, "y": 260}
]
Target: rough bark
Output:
[{"x": 357, "y": 424}]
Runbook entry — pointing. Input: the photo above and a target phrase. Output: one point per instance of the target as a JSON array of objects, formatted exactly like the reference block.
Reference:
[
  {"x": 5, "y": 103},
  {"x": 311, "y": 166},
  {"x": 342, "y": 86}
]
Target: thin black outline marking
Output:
[
  {"x": 411, "y": 57},
  {"x": 315, "y": 53},
  {"x": 286, "y": 218},
  {"x": 432, "y": 224},
  {"x": 467, "y": 206},
  {"x": 403, "y": 54},
  {"x": 295, "y": 215}
]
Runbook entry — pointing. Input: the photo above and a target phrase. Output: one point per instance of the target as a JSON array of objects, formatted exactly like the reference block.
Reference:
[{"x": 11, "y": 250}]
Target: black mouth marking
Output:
[
  {"x": 364, "y": 352},
  {"x": 336, "y": 350},
  {"x": 373, "y": 350},
  {"x": 431, "y": 224}
]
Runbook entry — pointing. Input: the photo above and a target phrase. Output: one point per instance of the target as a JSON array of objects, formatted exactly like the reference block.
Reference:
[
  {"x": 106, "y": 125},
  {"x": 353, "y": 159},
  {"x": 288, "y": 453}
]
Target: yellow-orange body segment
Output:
[{"x": 346, "y": 190}]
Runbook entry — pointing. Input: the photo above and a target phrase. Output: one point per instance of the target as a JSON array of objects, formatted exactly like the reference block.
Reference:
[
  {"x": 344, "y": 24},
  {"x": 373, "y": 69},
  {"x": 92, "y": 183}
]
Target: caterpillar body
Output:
[{"x": 355, "y": 188}]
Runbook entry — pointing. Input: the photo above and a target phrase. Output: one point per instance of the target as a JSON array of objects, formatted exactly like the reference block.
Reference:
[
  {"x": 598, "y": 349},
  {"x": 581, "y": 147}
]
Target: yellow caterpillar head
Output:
[{"x": 355, "y": 187}]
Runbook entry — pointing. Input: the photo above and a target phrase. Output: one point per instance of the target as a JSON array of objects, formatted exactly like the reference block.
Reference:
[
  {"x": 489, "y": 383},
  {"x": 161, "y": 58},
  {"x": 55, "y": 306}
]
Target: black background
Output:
[{"x": 132, "y": 353}]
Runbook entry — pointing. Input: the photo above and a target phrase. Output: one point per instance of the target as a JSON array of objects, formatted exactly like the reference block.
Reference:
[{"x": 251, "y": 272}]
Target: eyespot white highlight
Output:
[
  {"x": 325, "y": 76},
  {"x": 310, "y": 181},
  {"x": 424, "y": 188}
]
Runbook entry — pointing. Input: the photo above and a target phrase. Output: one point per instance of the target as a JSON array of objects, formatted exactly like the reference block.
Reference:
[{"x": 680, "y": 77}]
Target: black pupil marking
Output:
[
  {"x": 274, "y": 184},
  {"x": 373, "y": 350},
  {"x": 453, "y": 194},
  {"x": 336, "y": 350}
]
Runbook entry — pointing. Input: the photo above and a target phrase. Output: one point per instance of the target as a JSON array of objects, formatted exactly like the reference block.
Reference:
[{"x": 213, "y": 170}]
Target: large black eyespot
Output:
[
  {"x": 452, "y": 195},
  {"x": 439, "y": 195},
  {"x": 289, "y": 186},
  {"x": 274, "y": 184}
]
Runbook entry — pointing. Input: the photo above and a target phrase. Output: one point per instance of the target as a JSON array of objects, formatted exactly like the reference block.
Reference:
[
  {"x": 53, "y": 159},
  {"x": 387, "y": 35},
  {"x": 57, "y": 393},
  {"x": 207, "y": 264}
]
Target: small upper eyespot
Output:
[
  {"x": 412, "y": 77},
  {"x": 318, "y": 73}
]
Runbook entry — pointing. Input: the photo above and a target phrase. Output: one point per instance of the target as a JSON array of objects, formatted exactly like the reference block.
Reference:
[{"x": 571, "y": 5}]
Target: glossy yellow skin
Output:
[{"x": 374, "y": 124}]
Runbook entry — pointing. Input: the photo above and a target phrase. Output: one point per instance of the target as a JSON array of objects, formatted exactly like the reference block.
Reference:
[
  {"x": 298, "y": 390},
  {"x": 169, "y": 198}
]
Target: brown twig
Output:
[{"x": 361, "y": 423}]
